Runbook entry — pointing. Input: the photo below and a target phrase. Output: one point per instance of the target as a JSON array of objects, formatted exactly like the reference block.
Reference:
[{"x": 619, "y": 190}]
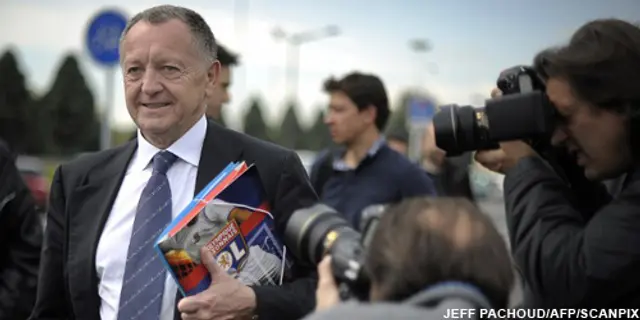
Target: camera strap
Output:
[{"x": 449, "y": 290}]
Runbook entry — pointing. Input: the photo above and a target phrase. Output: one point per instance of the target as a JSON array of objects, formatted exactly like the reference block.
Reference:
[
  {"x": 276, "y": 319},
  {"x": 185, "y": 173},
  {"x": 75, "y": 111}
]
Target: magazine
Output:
[{"x": 231, "y": 219}]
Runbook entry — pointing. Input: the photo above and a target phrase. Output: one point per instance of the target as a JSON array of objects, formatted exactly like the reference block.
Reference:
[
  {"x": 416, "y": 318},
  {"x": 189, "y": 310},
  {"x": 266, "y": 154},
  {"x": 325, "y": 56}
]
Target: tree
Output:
[
  {"x": 254, "y": 124},
  {"x": 290, "y": 134},
  {"x": 318, "y": 135},
  {"x": 15, "y": 100},
  {"x": 70, "y": 104}
]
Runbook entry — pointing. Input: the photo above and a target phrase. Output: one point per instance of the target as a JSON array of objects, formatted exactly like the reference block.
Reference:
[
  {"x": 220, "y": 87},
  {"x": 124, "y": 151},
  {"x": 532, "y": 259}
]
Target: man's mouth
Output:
[{"x": 155, "y": 105}]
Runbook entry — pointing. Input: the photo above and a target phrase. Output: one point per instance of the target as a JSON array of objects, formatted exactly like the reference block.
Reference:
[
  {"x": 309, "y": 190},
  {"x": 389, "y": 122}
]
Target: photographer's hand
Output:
[
  {"x": 505, "y": 158},
  {"x": 327, "y": 294},
  {"x": 510, "y": 152}
]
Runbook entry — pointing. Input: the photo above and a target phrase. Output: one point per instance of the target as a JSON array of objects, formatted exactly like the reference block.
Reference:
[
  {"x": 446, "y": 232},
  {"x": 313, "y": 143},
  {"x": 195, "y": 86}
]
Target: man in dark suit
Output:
[{"x": 108, "y": 207}]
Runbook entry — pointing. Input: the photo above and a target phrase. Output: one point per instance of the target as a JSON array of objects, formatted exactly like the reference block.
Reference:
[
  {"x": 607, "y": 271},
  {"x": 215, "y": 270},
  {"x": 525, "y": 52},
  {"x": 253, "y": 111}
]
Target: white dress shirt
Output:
[{"x": 113, "y": 244}]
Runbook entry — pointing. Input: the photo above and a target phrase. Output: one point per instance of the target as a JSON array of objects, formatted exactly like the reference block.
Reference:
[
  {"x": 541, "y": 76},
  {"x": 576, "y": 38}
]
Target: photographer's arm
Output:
[{"x": 566, "y": 260}]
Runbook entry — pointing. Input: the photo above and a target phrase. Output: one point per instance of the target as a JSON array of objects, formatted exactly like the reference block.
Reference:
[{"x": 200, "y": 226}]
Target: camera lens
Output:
[
  {"x": 454, "y": 129},
  {"x": 311, "y": 232}
]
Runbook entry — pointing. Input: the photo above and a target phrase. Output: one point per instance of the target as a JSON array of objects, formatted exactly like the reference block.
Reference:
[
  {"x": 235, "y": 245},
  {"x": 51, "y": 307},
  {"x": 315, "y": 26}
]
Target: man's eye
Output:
[
  {"x": 170, "y": 68},
  {"x": 133, "y": 70}
]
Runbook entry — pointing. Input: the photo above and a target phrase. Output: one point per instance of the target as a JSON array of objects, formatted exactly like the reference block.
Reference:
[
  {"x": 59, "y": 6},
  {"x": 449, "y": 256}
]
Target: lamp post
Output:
[
  {"x": 241, "y": 30},
  {"x": 293, "y": 42},
  {"x": 421, "y": 47},
  {"x": 420, "y": 108}
]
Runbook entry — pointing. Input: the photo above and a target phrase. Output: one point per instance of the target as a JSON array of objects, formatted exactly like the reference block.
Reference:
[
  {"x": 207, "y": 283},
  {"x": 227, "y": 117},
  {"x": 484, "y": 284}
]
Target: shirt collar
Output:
[
  {"x": 188, "y": 147},
  {"x": 339, "y": 164}
]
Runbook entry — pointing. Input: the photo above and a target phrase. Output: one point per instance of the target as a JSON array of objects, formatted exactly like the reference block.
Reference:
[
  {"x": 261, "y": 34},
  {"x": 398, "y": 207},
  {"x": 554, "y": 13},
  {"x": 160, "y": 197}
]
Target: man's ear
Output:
[
  {"x": 371, "y": 113},
  {"x": 213, "y": 74}
]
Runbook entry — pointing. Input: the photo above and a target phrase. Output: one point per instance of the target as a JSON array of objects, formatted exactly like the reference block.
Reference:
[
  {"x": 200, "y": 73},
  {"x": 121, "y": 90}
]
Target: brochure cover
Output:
[{"x": 231, "y": 218}]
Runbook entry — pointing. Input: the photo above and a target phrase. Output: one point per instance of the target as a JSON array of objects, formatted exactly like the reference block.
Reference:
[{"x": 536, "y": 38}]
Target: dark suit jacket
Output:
[
  {"x": 20, "y": 242},
  {"x": 83, "y": 192}
]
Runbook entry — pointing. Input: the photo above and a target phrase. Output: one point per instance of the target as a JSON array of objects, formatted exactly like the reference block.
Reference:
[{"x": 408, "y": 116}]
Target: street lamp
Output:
[
  {"x": 421, "y": 47},
  {"x": 294, "y": 41}
]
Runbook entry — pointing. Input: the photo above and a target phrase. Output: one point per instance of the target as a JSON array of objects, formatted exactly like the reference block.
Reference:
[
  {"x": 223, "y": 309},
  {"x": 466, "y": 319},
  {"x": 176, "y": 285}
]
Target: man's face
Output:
[
  {"x": 345, "y": 121},
  {"x": 220, "y": 95},
  {"x": 596, "y": 137},
  {"x": 166, "y": 79}
]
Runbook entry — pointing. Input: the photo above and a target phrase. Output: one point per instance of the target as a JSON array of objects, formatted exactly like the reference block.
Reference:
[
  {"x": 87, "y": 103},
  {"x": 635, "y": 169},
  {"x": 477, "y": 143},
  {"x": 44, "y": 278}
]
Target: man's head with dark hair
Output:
[
  {"x": 422, "y": 242},
  {"x": 358, "y": 104},
  {"x": 226, "y": 58},
  {"x": 220, "y": 94},
  {"x": 593, "y": 82}
]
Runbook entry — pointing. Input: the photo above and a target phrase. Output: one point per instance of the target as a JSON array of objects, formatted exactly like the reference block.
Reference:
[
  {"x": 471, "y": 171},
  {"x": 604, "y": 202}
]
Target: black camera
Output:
[
  {"x": 319, "y": 230},
  {"x": 523, "y": 112}
]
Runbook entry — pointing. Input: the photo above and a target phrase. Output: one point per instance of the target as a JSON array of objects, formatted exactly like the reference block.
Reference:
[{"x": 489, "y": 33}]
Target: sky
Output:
[{"x": 471, "y": 40}]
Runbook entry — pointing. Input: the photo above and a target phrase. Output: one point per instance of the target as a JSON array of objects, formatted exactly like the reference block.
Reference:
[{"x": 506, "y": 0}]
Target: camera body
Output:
[
  {"x": 523, "y": 112},
  {"x": 319, "y": 230}
]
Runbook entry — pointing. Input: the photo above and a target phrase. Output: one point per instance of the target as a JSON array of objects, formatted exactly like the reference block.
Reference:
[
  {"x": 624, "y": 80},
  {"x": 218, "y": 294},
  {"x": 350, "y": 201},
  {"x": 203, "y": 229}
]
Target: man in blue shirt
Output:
[{"x": 363, "y": 171}]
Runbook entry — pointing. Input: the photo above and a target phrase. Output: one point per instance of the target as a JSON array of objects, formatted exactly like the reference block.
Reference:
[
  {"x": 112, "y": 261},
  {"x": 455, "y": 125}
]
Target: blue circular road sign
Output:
[{"x": 103, "y": 37}]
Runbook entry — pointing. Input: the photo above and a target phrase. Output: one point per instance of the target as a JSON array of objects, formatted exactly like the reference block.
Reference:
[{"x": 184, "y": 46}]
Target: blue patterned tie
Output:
[{"x": 144, "y": 274}]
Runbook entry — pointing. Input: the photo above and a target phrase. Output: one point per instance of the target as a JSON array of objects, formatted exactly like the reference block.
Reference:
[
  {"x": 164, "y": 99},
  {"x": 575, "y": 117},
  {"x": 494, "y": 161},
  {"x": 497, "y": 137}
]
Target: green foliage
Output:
[
  {"x": 254, "y": 122},
  {"x": 291, "y": 133},
  {"x": 318, "y": 136},
  {"x": 70, "y": 105},
  {"x": 15, "y": 101}
]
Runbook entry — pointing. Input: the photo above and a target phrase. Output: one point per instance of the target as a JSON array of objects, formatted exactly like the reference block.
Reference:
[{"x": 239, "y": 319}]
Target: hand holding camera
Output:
[
  {"x": 507, "y": 156},
  {"x": 327, "y": 293}
]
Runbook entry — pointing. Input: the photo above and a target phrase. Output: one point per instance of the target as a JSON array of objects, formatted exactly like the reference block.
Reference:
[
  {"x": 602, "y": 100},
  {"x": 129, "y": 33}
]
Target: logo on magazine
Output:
[{"x": 229, "y": 248}]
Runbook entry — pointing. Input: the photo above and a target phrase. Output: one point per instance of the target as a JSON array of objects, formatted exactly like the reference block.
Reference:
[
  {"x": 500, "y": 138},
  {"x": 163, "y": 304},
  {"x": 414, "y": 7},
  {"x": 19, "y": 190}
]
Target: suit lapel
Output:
[
  {"x": 220, "y": 147},
  {"x": 91, "y": 204}
]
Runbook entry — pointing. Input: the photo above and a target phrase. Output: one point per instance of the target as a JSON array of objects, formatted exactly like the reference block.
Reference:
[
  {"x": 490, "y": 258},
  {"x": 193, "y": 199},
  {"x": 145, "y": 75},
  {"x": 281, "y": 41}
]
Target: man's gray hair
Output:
[{"x": 202, "y": 35}]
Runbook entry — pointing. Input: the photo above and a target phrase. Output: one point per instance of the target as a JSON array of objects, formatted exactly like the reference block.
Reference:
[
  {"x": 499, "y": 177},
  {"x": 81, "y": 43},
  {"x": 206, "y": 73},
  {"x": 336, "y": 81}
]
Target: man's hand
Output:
[
  {"x": 510, "y": 152},
  {"x": 505, "y": 158},
  {"x": 327, "y": 294},
  {"x": 226, "y": 297}
]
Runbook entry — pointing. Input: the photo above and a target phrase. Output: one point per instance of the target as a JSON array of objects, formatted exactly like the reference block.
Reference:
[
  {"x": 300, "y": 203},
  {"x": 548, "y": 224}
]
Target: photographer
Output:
[
  {"x": 427, "y": 256},
  {"x": 573, "y": 255}
]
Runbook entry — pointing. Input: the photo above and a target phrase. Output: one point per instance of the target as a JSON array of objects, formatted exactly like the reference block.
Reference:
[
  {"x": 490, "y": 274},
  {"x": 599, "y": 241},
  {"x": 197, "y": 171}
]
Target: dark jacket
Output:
[
  {"x": 20, "y": 242},
  {"x": 571, "y": 254}
]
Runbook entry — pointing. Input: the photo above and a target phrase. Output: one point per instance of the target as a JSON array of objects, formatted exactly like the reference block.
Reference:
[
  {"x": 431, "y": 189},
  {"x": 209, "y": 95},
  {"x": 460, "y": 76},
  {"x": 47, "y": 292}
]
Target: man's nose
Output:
[
  {"x": 150, "y": 83},
  {"x": 559, "y": 137}
]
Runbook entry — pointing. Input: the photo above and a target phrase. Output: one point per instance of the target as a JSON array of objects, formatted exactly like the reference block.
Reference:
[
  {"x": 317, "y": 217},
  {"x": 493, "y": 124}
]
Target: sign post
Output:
[
  {"x": 420, "y": 111},
  {"x": 102, "y": 40}
]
